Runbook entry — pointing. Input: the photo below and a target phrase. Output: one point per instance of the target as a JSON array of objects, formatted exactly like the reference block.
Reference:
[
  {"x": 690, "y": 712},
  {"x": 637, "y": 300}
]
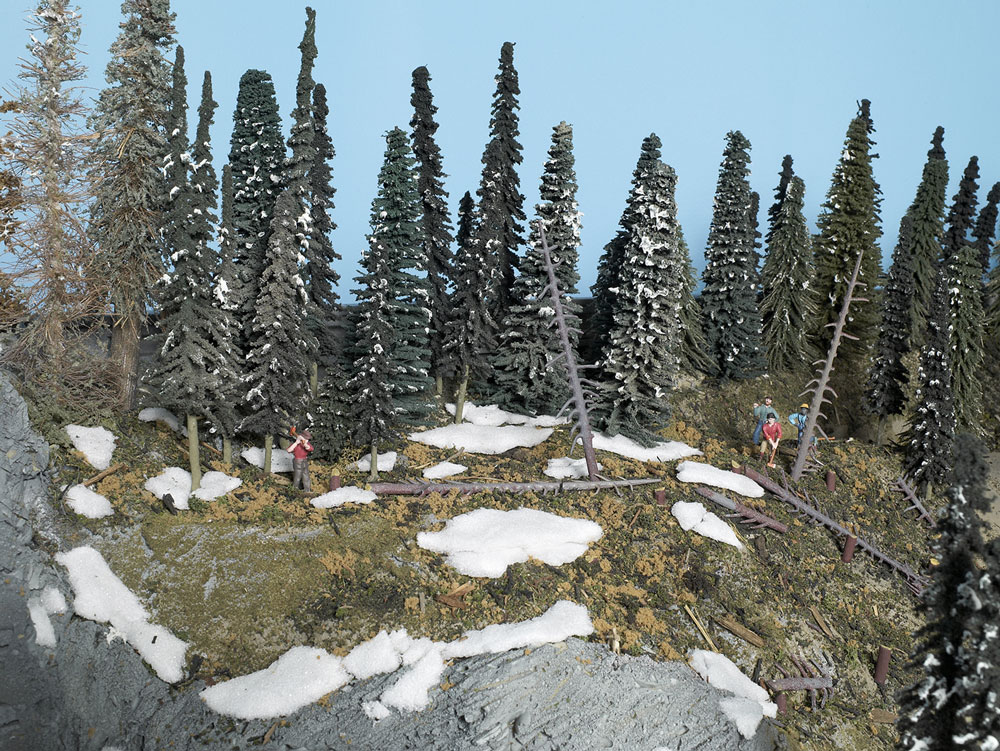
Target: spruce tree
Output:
[
  {"x": 774, "y": 211},
  {"x": 176, "y": 162},
  {"x": 927, "y": 217},
  {"x": 470, "y": 331},
  {"x": 694, "y": 346},
  {"x": 276, "y": 365},
  {"x": 193, "y": 364},
  {"x": 605, "y": 292},
  {"x": 644, "y": 346},
  {"x": 230, "y": 390},
  {"x": 435, "y": 223},
  {"x": 527, "y": 378},
  {"x": 729, "y": 300},
  {"x": 787, "y": 306},
  {"x": 932, "y": 427},
  {"x": 986, "y": 228},
  {"x": 849, "y": 225},
  {"x": 126, "y": 214},
  {"x": 498, "y": 229}
]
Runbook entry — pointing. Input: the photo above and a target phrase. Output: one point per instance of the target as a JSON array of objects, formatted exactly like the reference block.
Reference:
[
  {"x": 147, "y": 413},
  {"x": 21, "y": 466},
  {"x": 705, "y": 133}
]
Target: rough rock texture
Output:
[{"x": 91, "y": 691}]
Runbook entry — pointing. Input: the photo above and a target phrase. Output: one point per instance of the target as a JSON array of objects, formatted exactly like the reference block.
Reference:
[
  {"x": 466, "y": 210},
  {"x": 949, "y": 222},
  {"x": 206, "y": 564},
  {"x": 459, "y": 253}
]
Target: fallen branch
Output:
[
  {"x": 424, "y": 488},
  {"x": 910, "y": 495},
  {"x": 737, "y": 629},
  {"x": 701, "y": 628},
  {"x": 101, "y": 475},
  {"x": 748, "y": 514}
]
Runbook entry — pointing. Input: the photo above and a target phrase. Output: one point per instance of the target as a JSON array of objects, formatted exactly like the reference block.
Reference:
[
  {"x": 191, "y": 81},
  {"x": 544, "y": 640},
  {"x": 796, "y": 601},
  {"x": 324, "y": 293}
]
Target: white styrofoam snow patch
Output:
[
  {"x": 443, "y": 469},
  {"x": 490, "y": 415},
  {"x": 40, "y": 608},
  {"x": 667, "y": 451},
  {"x": 485, "y": 541},
  {"x": 386, "y": 462},
  {"x": 159, "y": 414},
  {"x": 564, "y": 467},
  {"x": 96, "y": 444},
  {"x": 86, "y": 502},
  {"x": 694, "y": 516},
  {"x": 563, "y": 620},
  {"x": 281, "y": 460},
  {"x": 723, "y": 673},
  {"x": 343, "y": 495},
  {"x": 101, "y": 596},
  {"x": 482, "y": 439},
  {"x": 177, "y": 482},
  {"x": 706, "y": 474}
]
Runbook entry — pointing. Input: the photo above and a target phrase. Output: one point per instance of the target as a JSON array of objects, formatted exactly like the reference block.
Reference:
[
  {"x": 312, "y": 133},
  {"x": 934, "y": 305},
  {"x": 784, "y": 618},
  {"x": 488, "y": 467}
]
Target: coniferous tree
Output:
[
  {"x": 927, "y": 215},
  {"x": 985, "y": 229},
  {"x": 527, "y": 378},
  {"x": 729, "y": 300},
  {"x": 126, "y": 213},
  {"x": 276, "y": 366},
  {"x": 498, "y": 229},
  {"x": 230, "y": 390},
  {"x": 605, "y": 291},
  {"x": 176, "y": 162},
  {"x": 435, "y": 223},
  {"x": 644, "y": 347},
  {"x": 787, "y": 305},
  {"x": 849, "y": 225},
  {"x": 694, "y": 346},
  {"x": 932, "y": 428},
  {"x": 193, "y": 363},
  {"x": 786, "y": 174},
  {"x": 470, "y": 331}
]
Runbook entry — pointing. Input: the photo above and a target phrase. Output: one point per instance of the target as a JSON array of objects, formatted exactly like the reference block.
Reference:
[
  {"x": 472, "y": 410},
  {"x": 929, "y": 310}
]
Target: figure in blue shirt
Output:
[{"x": 761, "y": 412}]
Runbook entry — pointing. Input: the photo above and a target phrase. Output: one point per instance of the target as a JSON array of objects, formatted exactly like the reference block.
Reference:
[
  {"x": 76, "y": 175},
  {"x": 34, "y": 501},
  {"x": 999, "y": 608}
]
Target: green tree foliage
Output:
[
  {"x": 127, "y": 210},
  {"x": 435, "y": 223},
  {"x": 849, "y": 225},
  {"x": 527, "y": 377},
  {"x": 729, "y": 300},
  {"x": 644, "y": 346},
  {"x": 787, "y": 305},
  {"x": 986, "y": 228},
  {"x": 694, "y": 346},
  {"x": 176, "y": 162},
  {"x": 786, "y": 174}
]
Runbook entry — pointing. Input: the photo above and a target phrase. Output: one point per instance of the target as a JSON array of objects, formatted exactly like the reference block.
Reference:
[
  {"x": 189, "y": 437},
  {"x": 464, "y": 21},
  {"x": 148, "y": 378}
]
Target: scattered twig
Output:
[
  {"x": 101, "y": 475},
  {"x": 701, "y": 629},
  {"x": 732, "y": 626}
]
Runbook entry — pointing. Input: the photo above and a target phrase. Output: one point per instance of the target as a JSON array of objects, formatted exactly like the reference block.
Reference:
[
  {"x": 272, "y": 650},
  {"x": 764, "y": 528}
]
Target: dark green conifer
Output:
[
  {"x": 787, "y": 305},
  {"x": 729, "y": 300},
  {"x": 786, "y": 174},
  {"x": 694, "y": 345},
  {"x": 434, "y": 221},
  {"x": 986, "y": 228},
  {"x": 605, "y": 292},
  {"x": 230, "y": 391},
  {"x": 176, "y": 162}
]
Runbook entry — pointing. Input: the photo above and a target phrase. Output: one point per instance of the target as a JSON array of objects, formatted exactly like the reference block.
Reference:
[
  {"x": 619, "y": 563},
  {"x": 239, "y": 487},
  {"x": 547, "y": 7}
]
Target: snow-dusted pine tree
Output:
[
  {"x": 176, "y": 162},
  {"x": 729, "y": 300},
  {"x": 786, "y": 174},
  {"x": 435, "y": 224},
  {"x": 694, "y": 346},
  {"x": 501, "y": 205},
  {"x": 276, "y": 367},
  {"x": 787, "y": 305},
  {"x": 126, "y": 214},
  {"x": 643, "y": 353},
  {"x": 986, "y": 228},
  {"x": 527, "y": 377},
  {"x": 470, "y": 331}
]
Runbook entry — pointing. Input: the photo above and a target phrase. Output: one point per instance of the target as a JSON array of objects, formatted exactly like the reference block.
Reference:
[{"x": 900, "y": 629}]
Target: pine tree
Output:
[
  {"x": 498, "y": 229},
  {"x": 257, "y": 152},
  {"x": 276, "y": 366},
  {"x": 176, "y": 162},
  {"x": 932, "y": 428},
  {"x": 230, "y": 390},
  {"x": 526, "y": 375},
  {"x": 435, "y": 223},
  {"x": 784, "y": 177},
  {"x": 787, "y": 305},
  {"x": 469, "y": 331},
  {"x": 694, "y": 346},
  {"x": 849, "y": 225},
  {"x": 985, "y": 229},
  {"x": 729, "y": 300},
  {"x": 888, "y": 377},
  {"x": 963, "y": 274},
  {"x": 927, "y": 216},
  {"x": 938, "y": 713},
  {"x": 643, "y": 353},
  {"x": 127, "y": 210}
]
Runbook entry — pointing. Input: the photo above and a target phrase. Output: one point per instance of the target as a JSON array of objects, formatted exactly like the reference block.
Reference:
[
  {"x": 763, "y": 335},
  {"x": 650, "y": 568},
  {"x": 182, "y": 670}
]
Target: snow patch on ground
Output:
[
  {"x": 96, "y": 444},
  {"x": 341, "y": 496},
  {"x": 443, "y": 469},
  {"x": 177, "y": 482},
  {"x": 482, "y": 439},
  {"x": 40, "y": 608},
  {"x": 159, "y": 414},
  {"x": 668, "y": 451},
  {"x": 722, "y": 673},
  {"x": 491, "y": 415},
  {"x": 485, "y": 541},
  {"x": 694, "y": 516},
  {"x": 564, "y": 467},
  {"x": 281, "y": 460},
  {"x": 706, "y": 474},
  {"x": 386, "y": 462},
  {"x": 101, "y": 596},
  {"x": 86, "y": 502}
]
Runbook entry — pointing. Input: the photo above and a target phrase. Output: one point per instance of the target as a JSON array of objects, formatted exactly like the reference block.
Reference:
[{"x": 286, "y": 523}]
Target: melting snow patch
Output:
[
  {"x": 159, "y": 414},
  {"x": 722, "y": 673},
  {"x": 177, "y": 482},
  {"x": 443, "y": 469},
  {"x": 485, "y": 541},
  {"x": 694, "y": 516},
  {"x": 668, "y": 451},
  {"x": 482, "y": 439},
  {"x": 86, "y": 502},
  {"x": 744, "y": 713},
  {"x": 564, "y": 467},
  {"x": 343, "y": 495},
  {"x": 409, "y": 693},
  {"x": 706, "y": 474},
  {"x": 558, "y": 623},
  {"x": 491, "y": 415},
  {"x": 386, "y": 462},
  {"x": 96, "y": 444},
  {"x": 281, "y": 460},
  {"x": 299, "y": 677},
  {"x": 373, "y": 657},
  {"x": 101, "y": 596}
]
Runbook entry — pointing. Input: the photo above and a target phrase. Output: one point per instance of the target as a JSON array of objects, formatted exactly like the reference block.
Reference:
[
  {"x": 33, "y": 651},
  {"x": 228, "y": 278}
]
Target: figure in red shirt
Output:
[
  {"x": 300, "y": 451},
  {"x": 772, "y": 435}
]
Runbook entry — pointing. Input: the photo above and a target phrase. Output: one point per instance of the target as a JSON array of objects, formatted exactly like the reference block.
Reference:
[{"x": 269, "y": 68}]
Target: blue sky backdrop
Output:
[{"x": 787, "y": 74}]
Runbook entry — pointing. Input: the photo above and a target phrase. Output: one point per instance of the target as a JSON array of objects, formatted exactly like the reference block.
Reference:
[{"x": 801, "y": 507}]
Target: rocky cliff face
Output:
[{"x": 90, "y": 691}]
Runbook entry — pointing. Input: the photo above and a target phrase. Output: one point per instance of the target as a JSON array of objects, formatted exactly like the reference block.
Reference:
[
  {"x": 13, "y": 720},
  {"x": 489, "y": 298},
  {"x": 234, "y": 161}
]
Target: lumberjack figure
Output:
[
  {"x": 761, "y": 411},
  {"x": 772, "y": 436},
  {"x": 300, "y": 450}
]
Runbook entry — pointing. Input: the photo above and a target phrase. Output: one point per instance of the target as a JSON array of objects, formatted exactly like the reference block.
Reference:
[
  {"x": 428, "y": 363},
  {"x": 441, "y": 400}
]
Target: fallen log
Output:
[
  {"x": 910, "y": 495},
  {"x": 424, "y": 488},
  {"x": 748, "y": 514}
]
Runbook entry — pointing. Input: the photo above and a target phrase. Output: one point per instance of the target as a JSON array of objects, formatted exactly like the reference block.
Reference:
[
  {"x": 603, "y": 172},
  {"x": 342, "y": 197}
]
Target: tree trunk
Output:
[
  {"x": 268, "y": 443},
  {"x": 125, "y": 353},
  {"x": 314, "y": 378},
  {"x": 460, "y": 396},
  {"x": 227, "y": 450},
  {"x": 439, "y": 386},
  {"x": 373, "y": 474},
  {"x": 193, "y": 452}
]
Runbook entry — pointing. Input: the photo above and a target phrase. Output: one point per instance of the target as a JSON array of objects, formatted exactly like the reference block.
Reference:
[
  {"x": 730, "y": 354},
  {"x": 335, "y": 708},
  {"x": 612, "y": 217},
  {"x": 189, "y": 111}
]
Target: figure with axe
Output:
[
  {"x": 300, "y": 450},
  {"x": 772, "y": 436}
]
